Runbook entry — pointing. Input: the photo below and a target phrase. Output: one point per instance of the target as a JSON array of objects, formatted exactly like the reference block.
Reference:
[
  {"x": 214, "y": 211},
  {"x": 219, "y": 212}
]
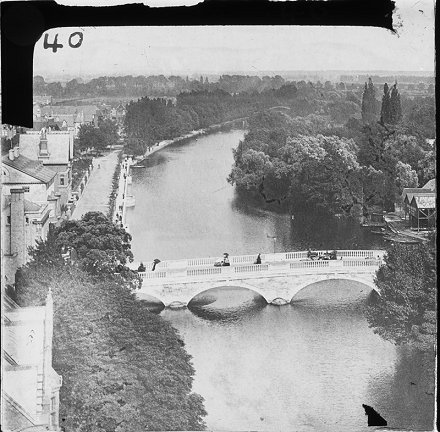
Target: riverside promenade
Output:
[{"x": 97, "y": 192}]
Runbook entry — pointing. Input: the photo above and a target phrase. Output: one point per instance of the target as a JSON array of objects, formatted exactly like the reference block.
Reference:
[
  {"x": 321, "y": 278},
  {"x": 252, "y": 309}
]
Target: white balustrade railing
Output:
[
  {"x": 240, "y": 259},
  {"x": 193, "y": 262},
  {"x": 204, "y": 271},
  {"x": 361, "y": 263},
  {"x": 309, "y": 264},
  {"x": 295, "y": 255},
  {"x": 272, "y": 263},
  {"x": 152, "y": 275},
  {"x": 251, "y": 268}
]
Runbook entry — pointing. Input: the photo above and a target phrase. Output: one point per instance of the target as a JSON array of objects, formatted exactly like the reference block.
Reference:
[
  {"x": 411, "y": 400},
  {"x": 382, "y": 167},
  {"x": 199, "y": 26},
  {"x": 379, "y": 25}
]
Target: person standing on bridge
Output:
[{"x": 258, "y": 260}]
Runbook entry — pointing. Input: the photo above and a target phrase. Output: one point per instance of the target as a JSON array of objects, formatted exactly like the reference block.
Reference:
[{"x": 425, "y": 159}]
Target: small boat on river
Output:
[{"x": 130, "y": 201}]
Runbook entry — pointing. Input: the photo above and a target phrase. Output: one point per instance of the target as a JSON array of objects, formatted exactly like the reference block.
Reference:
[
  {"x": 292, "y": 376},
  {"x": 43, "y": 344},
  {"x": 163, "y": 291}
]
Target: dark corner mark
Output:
[
  {"x": 23, "y": 23},
  {"x": 374, "y": 418}
]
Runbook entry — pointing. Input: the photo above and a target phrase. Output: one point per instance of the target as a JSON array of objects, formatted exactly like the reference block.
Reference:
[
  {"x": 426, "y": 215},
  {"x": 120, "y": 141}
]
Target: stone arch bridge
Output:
[{"x": 278, "y": 279}]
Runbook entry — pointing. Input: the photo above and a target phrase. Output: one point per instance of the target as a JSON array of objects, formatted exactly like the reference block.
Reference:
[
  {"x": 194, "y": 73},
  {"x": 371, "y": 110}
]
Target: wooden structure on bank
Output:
[
  {"x": 422, "y": 211},
  {"x": 409, "y": 193}
]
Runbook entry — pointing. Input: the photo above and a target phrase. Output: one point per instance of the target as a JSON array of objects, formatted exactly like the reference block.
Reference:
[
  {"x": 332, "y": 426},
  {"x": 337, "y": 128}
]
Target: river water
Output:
[{"x": 306, "y": 366}]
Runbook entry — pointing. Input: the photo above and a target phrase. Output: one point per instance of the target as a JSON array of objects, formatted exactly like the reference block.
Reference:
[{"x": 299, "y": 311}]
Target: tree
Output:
[
  {"x": 101, "y": 246},
  {"x": 89, "y": 137},
  {"x": 385, "y": 112},
  {"x": 427, "y": 166},
  {"x": 405, "y": 312},
  {"x": 395, "y": 106},
  {"x": 369, "y": 109},
  {"x": 406, "y": 177},
  {"x": 324, "y": 174}
]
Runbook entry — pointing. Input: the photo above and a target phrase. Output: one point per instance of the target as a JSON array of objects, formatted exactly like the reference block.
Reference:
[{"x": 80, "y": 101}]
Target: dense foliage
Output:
[
  {"x": 79, "y": 167},
  {"x": 98, "y": 245},
  {"x": 323, "y": 157},
  {"x": 123, "y": 367},
  {"x": 405, "y": 312},
  {"x": 97, "y": 138},
  {"x": 148, "y": 121}
]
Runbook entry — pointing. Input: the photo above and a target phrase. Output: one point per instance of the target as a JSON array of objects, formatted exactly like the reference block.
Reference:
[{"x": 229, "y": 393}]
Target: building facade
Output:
[
  {"x": 54, "y": 149},
  {"x": 28, "y": 204},
  {"x": 30, "y": 385}
]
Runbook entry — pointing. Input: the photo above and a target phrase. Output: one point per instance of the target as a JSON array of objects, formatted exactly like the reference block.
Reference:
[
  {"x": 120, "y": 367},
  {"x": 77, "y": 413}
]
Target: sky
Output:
[{"x": 252, "y": 49}]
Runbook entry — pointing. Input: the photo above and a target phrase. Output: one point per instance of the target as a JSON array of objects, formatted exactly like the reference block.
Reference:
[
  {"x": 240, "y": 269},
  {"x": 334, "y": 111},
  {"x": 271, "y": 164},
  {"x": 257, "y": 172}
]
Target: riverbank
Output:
[{"x": 190, "y": 135}]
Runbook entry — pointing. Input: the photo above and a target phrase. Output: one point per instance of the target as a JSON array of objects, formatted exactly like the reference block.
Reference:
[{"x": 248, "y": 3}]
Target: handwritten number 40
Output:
[{"x": 75, "y": 41}]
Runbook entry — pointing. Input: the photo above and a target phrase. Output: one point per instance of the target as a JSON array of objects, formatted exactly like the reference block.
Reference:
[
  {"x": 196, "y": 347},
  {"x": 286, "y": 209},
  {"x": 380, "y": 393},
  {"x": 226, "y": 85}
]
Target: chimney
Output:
[
  {"x": 11, "y": 154},
  {"x": 18, "y": 246},
  {"x": 16, "y": 151}
]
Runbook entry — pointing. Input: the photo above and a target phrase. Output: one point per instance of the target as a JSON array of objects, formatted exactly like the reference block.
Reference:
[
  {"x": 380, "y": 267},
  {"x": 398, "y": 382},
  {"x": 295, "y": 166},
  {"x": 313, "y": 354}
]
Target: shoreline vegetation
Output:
[{"x": 122, "y": 365}]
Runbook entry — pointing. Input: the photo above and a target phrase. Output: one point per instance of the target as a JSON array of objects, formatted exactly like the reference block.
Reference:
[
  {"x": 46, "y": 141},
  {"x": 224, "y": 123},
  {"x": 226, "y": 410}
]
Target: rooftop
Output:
[
  {"x": 426, "y": 201},
  {"x": 431, "y": 185},
  {"x": 30, "y": 167}
]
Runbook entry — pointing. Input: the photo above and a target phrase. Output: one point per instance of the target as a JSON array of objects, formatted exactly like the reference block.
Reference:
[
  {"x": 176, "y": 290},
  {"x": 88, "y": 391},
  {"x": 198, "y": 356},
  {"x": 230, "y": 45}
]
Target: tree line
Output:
[{"x": 156, "y": 85}]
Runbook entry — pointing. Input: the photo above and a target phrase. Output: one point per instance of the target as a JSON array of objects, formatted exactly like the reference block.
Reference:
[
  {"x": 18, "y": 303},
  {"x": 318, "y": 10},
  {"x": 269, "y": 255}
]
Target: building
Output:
[
  {"x": 409, "y": 193},
  {"x": 73, "y": 116},
  {"x": 23, "y": 222},
  {"x": 19, "y": 171},
  {"x": 28, "y": 204},
  {"x": 422, "y": 211},
  {"x": 30, "y": 385},
  {"x": 54, "y": 149}
]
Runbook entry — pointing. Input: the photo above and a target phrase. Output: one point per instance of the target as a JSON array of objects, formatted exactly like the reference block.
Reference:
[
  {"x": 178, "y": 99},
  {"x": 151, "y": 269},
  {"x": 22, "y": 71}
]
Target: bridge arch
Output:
[
  {"x": 364, "y": 281},
  {"x": 225, "y": 284},
  {"x": 142, "y": 295}
]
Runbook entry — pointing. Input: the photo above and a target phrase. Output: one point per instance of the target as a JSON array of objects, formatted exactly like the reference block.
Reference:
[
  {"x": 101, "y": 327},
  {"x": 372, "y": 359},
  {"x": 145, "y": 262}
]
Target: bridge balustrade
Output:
[
  {"x": 152, "y": 275},
  {"x": 251, "y": 268},
  {"x": 204, "y": 271},
  {"x": 239, "y": 259},
  {"x": 193, "y": 262},
  {"x": 309, "y": 264},
  {"x": 295, "y": 255},
  {"x": 276, "y": 262},
  {"x": 361, "y": 263}
]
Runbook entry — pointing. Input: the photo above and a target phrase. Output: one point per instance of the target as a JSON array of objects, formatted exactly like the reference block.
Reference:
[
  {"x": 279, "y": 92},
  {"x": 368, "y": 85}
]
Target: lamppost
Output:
[{"x": 274, "y": 241}]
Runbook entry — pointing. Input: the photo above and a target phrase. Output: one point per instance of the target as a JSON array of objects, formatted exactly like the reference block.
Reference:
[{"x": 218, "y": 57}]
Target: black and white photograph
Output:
[{"x": 226, "y": 228}]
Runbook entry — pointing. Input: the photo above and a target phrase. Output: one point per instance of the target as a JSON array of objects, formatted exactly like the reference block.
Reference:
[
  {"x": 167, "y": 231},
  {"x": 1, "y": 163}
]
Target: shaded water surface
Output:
[{"x": 306, "y": 366}]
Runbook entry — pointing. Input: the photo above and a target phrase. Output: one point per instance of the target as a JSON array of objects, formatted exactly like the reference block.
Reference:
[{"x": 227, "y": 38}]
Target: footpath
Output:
[
  {"x": 189, "y": 135},
  {"x": 97, "y": 192}
]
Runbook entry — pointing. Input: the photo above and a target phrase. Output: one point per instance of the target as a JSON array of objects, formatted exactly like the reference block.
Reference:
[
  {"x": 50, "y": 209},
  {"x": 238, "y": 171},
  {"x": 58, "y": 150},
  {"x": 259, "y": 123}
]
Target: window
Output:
[
  {"x": 27, "y": 220},
  {"x": 62, "y": 181},
  {"x": 8, "y": 220},
  {"x": 43, "y": 147}
]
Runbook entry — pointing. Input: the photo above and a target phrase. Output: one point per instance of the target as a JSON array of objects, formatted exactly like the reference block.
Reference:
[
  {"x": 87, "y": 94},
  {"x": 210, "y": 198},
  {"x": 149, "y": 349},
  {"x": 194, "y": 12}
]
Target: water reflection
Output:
[
  {"x": 395, "y": 391},
  {"x": 304, "y": 366},
  {"x": 226, "y": 305}
]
